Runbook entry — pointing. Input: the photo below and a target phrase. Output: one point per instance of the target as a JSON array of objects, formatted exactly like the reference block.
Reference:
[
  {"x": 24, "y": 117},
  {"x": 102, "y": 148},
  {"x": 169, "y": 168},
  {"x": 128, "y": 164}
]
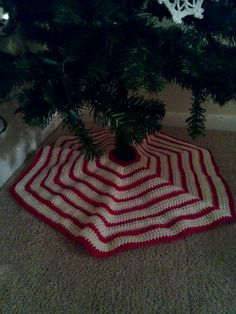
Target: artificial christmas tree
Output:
[
  {"x": 98, "y": 54},
  {"x": 74, "y": 55}
]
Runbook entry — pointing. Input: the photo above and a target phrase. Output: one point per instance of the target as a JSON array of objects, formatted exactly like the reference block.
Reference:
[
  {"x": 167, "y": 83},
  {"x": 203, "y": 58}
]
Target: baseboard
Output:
[{"x": 218, "y": 122}]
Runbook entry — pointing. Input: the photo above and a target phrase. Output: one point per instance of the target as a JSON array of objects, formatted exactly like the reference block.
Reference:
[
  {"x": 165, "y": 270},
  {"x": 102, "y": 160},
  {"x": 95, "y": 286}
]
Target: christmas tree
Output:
[{"x": 72, "y": 55}]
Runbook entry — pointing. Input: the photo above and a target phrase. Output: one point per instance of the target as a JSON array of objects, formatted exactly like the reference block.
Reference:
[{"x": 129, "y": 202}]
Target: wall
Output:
[
  {"x": 178, "y": 102},
  {"x": 18, "y": 141}
]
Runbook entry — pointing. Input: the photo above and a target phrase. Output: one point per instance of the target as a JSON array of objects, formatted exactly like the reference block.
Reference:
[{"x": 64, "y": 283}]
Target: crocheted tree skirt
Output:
[{"x": 172, "y": 189}]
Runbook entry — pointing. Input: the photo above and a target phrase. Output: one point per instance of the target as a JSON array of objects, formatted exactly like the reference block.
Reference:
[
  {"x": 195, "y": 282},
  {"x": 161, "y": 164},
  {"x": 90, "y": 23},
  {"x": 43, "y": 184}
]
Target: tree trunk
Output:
[{"x": 123, "y": 150}]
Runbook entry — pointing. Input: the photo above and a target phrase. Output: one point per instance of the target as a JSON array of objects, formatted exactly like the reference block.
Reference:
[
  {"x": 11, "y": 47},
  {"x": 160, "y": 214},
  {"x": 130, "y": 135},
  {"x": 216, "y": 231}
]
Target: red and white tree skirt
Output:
[{"x": 172, "y": 189}]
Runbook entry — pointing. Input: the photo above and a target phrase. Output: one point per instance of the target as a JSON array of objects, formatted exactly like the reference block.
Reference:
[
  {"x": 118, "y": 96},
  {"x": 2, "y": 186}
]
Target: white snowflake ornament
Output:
[
  {"x": 181, "y": 8},
  {"x": 4, "y": 16}
]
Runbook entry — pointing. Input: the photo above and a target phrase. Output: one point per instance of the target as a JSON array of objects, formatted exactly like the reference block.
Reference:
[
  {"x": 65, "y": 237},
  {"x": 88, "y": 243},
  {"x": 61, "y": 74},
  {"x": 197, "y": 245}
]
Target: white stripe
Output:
[
  {"x": 217, "y": 181},
  {"x": 205, "y": 187},
  {"x": 184, "y": 156},
  {"x": 103, "y": 230}
]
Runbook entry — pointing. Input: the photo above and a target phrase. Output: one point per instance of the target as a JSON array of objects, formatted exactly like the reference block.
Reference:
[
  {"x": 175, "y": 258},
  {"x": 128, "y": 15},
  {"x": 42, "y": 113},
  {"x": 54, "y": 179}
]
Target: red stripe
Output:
[
  {"x": 105, "y": 139},
  {"x": 120, "y": 248},
  {"x": 87, "y": 213},
  {"x": 68, "y": 157},
  {"x": 76, "y": 221},
  {"x": 207, "y": 210},
  {"x": 99, "y": 131},
  {"x": 72, "y": 144},
  {"x": 37, "y": 196},
  {"x": 136, "y": 232},
  {"x": 149, "y": 151},
  {"x": 143, "y": 230},
  {"x": 183, "y": 178},
  {"x": 76, "y": 191},
  {"x": 190, "y": 158},
  {"x": 107, "y": 223},
  {"x": 110, "y": 183},
  {"x": 105, "y": 146},
  {"x": 116, "y": 173},
  {"x": 76, "y": 147},
  {"x": 65, "y": 142},
  {"x": 155, "y": 157},
  {"x": 209, "y": 179},
  {"x": 28, "y": 169},
  {"x": 214, "y": 199},
  {"x": 197, "y": 184},
  {"x": 171, "y": 174},
  {"x": 102, "y": 193},
  {"x": 179, "y": 162},
  {"x": 227, "y": 189},
  {"x": 107, "y": 207}
]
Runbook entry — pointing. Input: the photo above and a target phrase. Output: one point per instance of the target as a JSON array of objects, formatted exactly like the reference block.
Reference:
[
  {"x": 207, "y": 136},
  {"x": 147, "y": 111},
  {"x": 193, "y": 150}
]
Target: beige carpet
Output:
[{"x": 42, "y": 272}]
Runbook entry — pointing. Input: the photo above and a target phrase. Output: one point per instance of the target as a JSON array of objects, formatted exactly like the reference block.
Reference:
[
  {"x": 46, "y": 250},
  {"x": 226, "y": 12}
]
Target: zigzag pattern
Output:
[{"x": 172, "y": 189}]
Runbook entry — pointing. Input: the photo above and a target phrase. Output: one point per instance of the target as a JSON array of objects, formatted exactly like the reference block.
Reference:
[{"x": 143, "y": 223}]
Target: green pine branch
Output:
[
  {"x": 77, "y": 126},
  {"x": 197, "y": 118}
]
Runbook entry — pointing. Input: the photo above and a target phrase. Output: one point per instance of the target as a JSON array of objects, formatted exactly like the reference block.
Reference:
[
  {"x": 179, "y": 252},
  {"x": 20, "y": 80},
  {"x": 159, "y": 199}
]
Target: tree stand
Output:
[{"x": 123, "y": 151}]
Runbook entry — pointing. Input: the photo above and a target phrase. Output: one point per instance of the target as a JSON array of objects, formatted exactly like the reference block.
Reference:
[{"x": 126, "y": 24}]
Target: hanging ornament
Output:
[
  {"x": 181, "y": 8},
  {"x": 7, "y": 19},
  {"x": 4, "y": 19}
]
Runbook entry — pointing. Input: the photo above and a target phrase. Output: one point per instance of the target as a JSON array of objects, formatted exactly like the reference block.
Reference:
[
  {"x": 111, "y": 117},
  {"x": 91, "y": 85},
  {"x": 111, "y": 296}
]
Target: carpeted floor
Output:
[{"x": 42, "y": 272}]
